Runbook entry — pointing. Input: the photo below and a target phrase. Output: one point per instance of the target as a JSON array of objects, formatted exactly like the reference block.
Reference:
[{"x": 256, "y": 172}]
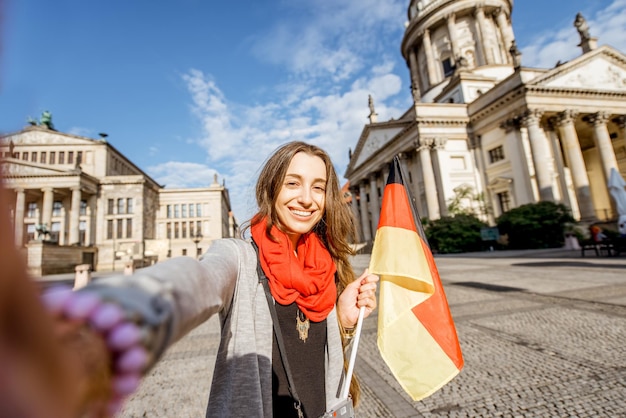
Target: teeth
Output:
[{"x": 300, "y": 212}]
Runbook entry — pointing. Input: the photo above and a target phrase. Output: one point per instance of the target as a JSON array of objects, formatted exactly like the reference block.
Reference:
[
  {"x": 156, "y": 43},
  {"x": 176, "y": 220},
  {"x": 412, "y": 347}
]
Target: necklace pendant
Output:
[{"x": 302, "y": 326}]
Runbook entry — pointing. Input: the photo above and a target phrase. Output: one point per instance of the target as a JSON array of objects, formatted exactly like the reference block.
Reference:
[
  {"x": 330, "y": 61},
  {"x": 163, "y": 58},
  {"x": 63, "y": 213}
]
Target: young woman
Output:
[{"x": 301, "y": 233}]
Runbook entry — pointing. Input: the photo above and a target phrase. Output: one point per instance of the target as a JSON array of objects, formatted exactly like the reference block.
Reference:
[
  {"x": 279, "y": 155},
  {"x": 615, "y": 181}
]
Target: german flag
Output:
[{"x": 416, "y": 333}]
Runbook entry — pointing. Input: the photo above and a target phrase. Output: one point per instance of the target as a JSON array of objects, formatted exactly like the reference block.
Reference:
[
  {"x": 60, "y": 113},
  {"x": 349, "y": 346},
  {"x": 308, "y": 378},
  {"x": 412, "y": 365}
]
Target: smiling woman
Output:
[{"x": 287, "y": 299}]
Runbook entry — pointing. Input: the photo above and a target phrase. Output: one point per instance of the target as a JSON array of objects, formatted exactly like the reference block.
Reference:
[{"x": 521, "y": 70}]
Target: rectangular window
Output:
[
  {"x": 184, "y": 230},
  {"x": 25, "y": 156},
  {"x": 30, "y": 232},
  {"x": 199, "y": 228},
  {"x": 198, "y": 210},
  {"x": 129, "y": 205},
  {"x": 120, "y": 227},
  {"x": 198, "y": 252},
  {"x": 169, "y": 230},
  {"x": 43, "y": 157},
  {"x": 52, "y": 157},
  {"x": 110, "y": 229},
  {"x": 55, "y": 231},
  {"x": 129, "y": 228},
  {"x": 175, "y": 230},
  {"x": 70, "y": 157},
  {"x": 448, "y": 67},
  {"x": 176, "y": 211},
  {"x": 183, "y": 209},
  {"x": 169, "y": 211},
  {"x": 505, "y": 201},
  {"x": 120, "y": 206},
  {"x": 110, "y": 206},
  {"x": 31, "y": 212},
  {"x": 61, "y": 157},
  {"x": 33, "y": 157},
  {"x": 83, "y": 207},
  {"x": 79, "y": 157},
  {"x": 184, "y": 252},
  {"x": 191, "y": 207},
  {"x": 56, "y": 208},
  {"x": 496, "y": 154}
]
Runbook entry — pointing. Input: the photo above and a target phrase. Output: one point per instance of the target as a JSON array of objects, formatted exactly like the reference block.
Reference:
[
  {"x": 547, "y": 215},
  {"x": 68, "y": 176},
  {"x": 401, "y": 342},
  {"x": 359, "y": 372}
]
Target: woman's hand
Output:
[{"x": 361, "y": 292}]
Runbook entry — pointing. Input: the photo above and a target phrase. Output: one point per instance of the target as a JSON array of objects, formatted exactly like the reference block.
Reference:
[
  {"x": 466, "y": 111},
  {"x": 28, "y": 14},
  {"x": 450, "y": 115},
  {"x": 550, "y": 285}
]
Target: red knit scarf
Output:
[{"x": 308, "y": 279}]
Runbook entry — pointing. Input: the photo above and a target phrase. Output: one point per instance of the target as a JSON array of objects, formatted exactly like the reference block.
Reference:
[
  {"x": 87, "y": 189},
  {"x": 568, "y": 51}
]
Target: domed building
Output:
[{"x": 486, "y": 132}]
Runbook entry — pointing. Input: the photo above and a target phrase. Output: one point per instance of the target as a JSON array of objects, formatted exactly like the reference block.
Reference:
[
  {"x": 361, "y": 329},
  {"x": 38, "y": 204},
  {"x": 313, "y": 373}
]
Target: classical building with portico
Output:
[
  {"x": 483, "y": 123},
  {"x": 76, "y": 200}
]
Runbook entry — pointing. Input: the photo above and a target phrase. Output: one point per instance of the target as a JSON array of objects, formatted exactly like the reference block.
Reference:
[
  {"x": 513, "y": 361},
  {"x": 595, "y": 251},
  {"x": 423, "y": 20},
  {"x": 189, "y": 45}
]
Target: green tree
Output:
[
  {"x": 535, "y": 225},
  {"x": 455, "y": 234}
]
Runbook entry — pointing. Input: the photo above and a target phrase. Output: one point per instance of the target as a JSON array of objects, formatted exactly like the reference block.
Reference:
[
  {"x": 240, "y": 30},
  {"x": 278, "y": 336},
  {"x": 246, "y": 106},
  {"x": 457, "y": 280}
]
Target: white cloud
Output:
[
  {"x": 176, "y": 174},
  {"x": 608, "y": 25}
]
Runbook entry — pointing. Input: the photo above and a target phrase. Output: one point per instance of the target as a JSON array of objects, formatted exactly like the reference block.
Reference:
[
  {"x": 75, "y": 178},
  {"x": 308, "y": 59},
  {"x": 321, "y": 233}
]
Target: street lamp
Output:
[{"x": 196, "y": 240}]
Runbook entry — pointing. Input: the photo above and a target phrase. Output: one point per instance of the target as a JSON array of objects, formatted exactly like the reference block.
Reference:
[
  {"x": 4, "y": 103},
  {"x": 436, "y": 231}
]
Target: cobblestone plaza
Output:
[{"x": 542, "y": 335}]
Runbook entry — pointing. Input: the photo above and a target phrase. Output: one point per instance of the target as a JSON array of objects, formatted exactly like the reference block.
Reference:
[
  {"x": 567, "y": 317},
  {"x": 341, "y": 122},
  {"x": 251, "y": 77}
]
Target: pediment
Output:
[
  {"x": 42, "y": 136},
  {"x": 604, "y": 69},
  {"x": 17, "y": 168},
  {"x": 375, "y": 140}
]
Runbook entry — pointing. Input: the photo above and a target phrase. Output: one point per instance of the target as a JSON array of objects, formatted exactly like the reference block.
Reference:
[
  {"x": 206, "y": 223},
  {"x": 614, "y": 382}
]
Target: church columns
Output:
[
  {"x": 18, "y": 219},
  {"x": 46, "y": 210},
  {"x": 541, "y": 154},
  {"x": 374, "y": 201},
  {"x": 603, "y": 142},
  {"x": 440, "y": 165},
  {"x": 574, "y": 156},
  {"x": 430, "y": 59},
  {"x": 365, "y": 219},
  {"x": 482, "y": 32},
  {"x": 74, "y": 216},
  {"x": 559, "y": 164},
  {"x": 430, "y": 185},
  {"x": 505, "y": 32},
  {"x": 354, "y": 203},
  {"x": 415, "y": 78},
  {"x": 454, "y": 43}
]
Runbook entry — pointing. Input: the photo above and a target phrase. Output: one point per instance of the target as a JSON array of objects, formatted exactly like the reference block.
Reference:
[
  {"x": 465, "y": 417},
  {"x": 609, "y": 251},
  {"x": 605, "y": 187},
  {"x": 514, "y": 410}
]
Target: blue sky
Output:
[{"x": 189, "y": 88}]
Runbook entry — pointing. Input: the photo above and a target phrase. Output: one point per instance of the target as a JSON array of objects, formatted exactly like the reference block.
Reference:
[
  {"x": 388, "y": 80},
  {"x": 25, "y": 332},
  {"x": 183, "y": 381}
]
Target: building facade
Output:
[
  {"x": 490, "y": 131},
  {"x": 78, "y": 200}
]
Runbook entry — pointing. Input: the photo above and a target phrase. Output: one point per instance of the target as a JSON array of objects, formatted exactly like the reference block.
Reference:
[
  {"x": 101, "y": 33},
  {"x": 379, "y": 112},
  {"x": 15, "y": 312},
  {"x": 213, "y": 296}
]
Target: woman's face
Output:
[{"x": 300, "y": 202}]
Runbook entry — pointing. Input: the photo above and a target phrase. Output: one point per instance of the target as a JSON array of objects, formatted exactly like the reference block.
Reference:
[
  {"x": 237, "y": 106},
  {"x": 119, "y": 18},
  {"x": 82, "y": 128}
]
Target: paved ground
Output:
[{"x": 542, "y": 333}]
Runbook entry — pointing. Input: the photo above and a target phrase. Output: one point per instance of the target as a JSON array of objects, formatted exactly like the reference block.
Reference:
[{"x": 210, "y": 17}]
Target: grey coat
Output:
[{"x": 179, "y": 294}]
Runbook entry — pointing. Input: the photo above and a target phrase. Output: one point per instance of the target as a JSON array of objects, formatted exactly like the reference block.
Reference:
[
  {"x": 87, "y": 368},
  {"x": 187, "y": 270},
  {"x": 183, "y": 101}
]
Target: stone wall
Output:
[{"x": 47, "y": 258}]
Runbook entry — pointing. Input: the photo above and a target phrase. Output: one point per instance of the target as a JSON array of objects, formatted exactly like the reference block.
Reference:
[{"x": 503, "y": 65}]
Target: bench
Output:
[{"x": 598, "y": 247}]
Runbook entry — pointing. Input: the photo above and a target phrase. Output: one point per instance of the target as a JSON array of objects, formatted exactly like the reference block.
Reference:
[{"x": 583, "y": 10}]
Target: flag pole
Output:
[{"x": 355, "y": 342}]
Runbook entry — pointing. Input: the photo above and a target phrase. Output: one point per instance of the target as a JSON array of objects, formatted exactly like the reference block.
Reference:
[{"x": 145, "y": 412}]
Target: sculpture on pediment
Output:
[
  {"x": 46, "y": 120},
  {"x": 582, "y": 27},
  {"x": 42, "y": 231},
  {"x": 516, "y": 55}
]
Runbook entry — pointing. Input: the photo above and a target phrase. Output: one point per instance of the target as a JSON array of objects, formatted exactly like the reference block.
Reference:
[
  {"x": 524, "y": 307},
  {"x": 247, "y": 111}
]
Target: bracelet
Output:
[{"x": 122, "y": 336}]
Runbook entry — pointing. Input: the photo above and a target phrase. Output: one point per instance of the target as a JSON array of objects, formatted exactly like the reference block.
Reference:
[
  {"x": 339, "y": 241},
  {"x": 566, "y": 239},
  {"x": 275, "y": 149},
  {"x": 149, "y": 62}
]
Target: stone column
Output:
[
  {"x": 374, "y": 201},
  {"x": 430, "y": 186},
  {"x": 355, "y": 212},
  {"x": 558, "y": 161},
  {"x": 603, "y": 142},
  {"x": 454, "y": 44},
  {"x": 18, "y": 219},
  {"x": 74, "y": 216},
  {"x": 46, "y": 210},
  {"x": 443, "y": 170},
  {"x": 430, "y": 59},
  {"x": 415, "y": 78},
  {"x": 505, "y": 32},
  {"x": 365, "y": 219},
  {"x": 482, "y": 30},
  {"x": 574, "y": 157},
  {"x": 541, "y": 154}
]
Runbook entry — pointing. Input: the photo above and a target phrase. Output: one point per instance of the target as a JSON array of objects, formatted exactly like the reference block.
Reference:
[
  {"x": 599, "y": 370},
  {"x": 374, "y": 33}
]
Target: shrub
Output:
[
  {"x": 535, "y": 225},
  {"x": 455, "y": 234}
]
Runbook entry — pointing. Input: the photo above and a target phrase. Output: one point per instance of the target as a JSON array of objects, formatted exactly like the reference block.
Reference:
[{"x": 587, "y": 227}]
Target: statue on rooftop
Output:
[{"x": 583, "y": 28}]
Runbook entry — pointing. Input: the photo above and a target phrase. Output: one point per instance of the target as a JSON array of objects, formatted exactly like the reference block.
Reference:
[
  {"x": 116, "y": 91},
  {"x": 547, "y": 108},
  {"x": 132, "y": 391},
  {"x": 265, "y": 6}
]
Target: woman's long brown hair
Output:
[{"x": 336, "y": 229}]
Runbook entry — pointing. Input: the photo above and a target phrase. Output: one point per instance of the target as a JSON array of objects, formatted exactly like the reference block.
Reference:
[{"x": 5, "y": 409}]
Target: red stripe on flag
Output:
[
  {"x": 396, "y": 209},
  {"x": 435, "y": 316}
]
